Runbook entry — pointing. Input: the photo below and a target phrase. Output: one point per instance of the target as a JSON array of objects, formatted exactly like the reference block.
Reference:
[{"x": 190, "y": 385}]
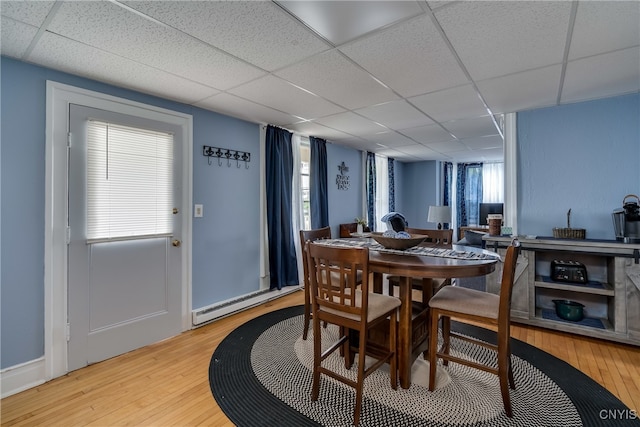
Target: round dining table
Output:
[{"x": 413, "y": 327}]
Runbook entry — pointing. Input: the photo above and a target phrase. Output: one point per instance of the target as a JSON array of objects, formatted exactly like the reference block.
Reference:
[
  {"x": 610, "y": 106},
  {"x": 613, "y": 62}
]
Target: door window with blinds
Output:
[{"x": 129, "y": 182}]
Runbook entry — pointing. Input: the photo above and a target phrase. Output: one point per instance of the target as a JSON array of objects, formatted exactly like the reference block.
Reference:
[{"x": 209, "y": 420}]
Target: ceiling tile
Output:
[
  {"x": 411, "y": 58},
  {"x": 397, "y": 155},
  {"x": 429, "y": 133},
  {"x": 355, "y": 143},
  {"x": 15, "y": 37},
  {"x": 28, "y": 12},
  {"x": 603, "y": 26},
  {"x": 341, "y": 21},
  {"x": 63, "y": 54},
  {"x": 115, "y": 29},
  {"x": 332, "y": 76},
  {"x": 466, "y": 128},
  {"x": 497, "y": 38},
  {"x": 420, "y": 152},
  {"x": 396, "y": 115},
  {"x": 490, "y": 155},
  {"x": 315, "y": 129},
  {"x": 390, "y": 139},
  {"x": 237, "y": 107},
  {"x": 522, "y": 91},
  {"x": 188, "y": 51},
  {"x": 259, "y": 32},
  {"x": 351, "y": 123},
  {"x": 448, "y": 147},
  {"x": 483, "y": 142},
  {"x": 276, "y": 93},
  {"x": 451, "y": 104},
  {"x": 602, "y": 76}
]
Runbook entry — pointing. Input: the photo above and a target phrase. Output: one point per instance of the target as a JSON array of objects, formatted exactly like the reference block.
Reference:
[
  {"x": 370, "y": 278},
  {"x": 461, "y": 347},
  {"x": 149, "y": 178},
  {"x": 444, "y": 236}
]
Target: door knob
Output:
[
  {"x": 176, "y": 243},
  {"x": 175, "y": 211}
]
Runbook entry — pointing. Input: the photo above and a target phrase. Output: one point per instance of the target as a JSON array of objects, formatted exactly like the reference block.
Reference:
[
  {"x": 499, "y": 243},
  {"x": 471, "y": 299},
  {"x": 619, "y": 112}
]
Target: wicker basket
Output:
[{"x": 569, "y": 233}]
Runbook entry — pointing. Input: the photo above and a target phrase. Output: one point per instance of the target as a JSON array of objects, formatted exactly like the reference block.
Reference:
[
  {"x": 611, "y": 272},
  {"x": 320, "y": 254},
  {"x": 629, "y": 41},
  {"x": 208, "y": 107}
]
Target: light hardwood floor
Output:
[{"x": 167, "y": 383}]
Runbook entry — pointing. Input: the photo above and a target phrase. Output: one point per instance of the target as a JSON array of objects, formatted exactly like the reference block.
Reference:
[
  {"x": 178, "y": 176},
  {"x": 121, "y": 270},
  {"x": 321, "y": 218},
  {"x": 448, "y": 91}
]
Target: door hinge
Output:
[
  {"x": 68, "y": 139},
  {"x": 68, "y": 332},
  {"x": 67, "y": 236}
]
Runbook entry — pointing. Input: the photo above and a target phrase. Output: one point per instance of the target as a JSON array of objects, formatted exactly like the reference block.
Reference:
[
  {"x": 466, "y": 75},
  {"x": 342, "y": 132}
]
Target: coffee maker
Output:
[{"x": 626, "y": 220}]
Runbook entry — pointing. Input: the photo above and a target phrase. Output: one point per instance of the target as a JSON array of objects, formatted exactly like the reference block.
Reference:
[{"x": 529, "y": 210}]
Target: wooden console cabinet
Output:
[
  {"x": 461, "y": 230},
  {"x": 611, "y": 297}
]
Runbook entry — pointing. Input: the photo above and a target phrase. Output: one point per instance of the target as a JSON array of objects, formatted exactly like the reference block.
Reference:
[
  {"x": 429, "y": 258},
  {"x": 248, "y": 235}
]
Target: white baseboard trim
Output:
[
  {"x": 22, "y": 377},
  {"x": 15, "y": 379},
  {"x": 204, "y": 315}
]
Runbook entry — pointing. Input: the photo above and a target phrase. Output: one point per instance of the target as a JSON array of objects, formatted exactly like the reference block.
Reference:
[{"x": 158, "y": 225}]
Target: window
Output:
[
  {"x": 129, "y": 182},
  {"x": 468, "y": 185},
  {"x": 305, "y": 160},
  {"x": 493, "y": 182},
  {"x": 472, "y": 192},
  {"x": 382, "y": 191}
]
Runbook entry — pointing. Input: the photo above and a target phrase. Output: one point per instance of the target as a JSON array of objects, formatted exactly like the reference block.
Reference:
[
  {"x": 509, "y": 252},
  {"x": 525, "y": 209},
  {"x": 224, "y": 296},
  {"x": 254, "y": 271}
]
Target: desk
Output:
[{"x": 408, "y": 267}]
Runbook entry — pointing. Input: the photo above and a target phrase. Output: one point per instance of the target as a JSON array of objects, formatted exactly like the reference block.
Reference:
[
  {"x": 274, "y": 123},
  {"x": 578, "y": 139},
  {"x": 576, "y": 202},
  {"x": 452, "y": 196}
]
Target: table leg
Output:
[{"x": 404, "y": 333}]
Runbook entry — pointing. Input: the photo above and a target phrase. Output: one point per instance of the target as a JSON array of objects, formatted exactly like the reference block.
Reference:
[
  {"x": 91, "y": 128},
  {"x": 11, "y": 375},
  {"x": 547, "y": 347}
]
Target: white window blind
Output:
[{"x": 129, "y": 182}]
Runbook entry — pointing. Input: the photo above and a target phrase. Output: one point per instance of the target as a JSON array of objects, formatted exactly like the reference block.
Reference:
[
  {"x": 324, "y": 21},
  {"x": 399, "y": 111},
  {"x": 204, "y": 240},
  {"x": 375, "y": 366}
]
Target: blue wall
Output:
[
  {"x": 225, "y": 250},
  {"x": 584, "y": 157},
  {"x": 344, "y": 205},
  {"x": 22, "y": 212},
  {"x": 419, "y": 186},
  {"x": 601, "y": 138}
]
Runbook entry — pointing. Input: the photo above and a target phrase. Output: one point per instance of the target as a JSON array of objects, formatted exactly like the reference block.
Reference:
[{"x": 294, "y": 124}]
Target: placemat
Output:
[{"x": 417, "y": 250}]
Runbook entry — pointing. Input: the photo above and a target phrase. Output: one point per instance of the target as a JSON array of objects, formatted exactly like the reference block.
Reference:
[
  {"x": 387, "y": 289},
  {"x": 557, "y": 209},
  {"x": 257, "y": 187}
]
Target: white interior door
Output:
[{"x": 123, "y": 293}]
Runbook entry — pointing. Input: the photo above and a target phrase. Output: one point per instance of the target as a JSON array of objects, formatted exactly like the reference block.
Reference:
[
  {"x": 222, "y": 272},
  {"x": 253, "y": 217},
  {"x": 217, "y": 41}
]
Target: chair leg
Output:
[
  {"x": 347, "y": 354},
  {"x": 446, "y": 328},
  {"x": 433, "y": 348},
  {"x": 504, "y": 390},
  {"x": 307, "y": 312},
  {"x": 512, "y": 382},
  {"x": 504, "y": 374},
  {"x": 360, "y": 380},
  {"x": 317, "y": 354}
]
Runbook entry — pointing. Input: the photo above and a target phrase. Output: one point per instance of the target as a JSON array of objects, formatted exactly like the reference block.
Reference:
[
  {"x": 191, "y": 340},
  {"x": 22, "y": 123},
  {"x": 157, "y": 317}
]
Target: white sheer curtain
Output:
[
  {"x": 382, "y": 191},
  {"x": 297, "y": 217},
  {"x": 492, "y": 182}
]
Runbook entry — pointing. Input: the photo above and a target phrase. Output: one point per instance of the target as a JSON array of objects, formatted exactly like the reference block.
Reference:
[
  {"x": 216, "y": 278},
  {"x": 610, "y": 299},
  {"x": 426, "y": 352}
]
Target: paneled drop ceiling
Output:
[{"x": 414, "y": 80}]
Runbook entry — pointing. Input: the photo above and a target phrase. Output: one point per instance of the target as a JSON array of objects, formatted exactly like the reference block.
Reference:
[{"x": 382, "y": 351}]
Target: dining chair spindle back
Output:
[
  {"x": 309, "y": 236},
  {"x": 479, "y": 308},
  {"x": 338, "y": 299}
]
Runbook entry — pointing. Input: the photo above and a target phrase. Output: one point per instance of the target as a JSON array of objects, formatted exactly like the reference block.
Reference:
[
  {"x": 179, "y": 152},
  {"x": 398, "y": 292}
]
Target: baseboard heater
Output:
[{"x": 207, "y": 314}]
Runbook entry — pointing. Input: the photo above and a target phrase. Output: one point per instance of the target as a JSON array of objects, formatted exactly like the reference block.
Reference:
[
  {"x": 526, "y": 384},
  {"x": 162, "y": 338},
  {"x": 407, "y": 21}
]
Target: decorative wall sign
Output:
[{"x": 342, "y": 180}]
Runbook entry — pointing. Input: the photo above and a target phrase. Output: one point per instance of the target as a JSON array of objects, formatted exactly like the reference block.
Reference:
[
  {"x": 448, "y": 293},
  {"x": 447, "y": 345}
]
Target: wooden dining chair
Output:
[
  {"x": 427, "y": 287},
  {"x": 477, "y": 308},
  {"x": 337, "y": 299},
  {"x": 347, "y": 229},
  {"x": 309, "y": 236}
]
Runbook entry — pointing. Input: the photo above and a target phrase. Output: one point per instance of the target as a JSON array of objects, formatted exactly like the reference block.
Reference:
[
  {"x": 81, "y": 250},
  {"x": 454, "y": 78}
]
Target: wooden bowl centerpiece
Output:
[{"x": 399, "y": 243}]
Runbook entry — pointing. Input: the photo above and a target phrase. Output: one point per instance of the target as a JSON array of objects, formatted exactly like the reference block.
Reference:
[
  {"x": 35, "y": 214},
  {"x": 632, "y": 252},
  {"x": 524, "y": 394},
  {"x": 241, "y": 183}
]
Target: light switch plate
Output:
[{"x": 197, "y": 211}]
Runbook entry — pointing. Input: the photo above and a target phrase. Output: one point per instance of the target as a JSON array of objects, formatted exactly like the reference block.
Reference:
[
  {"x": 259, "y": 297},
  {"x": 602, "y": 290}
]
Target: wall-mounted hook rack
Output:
[{"x": 225, "y": 153}]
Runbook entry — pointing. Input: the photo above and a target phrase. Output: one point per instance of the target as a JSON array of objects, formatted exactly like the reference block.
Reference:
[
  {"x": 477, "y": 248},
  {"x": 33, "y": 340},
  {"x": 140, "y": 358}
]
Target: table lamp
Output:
[{"x": 439, "y": 214}]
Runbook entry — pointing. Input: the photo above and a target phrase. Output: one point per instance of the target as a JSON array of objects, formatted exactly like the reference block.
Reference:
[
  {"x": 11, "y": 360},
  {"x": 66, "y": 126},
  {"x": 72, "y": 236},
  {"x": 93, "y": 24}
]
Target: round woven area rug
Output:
[{"x": 261, "y": 374}]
